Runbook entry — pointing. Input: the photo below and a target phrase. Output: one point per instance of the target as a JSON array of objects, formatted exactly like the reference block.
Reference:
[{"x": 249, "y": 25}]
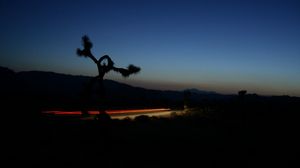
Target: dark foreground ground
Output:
[
  {"x": 227, "y": 135},
  {"x": 180, "y": 142}
]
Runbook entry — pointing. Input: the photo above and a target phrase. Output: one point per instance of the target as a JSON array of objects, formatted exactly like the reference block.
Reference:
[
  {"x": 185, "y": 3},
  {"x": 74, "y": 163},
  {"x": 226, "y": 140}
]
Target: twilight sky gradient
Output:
[{"x": 222, "y": 45}]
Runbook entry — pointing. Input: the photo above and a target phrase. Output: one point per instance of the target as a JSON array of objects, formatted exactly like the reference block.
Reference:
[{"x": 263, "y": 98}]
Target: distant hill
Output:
[
  {"x": 61, "y": 90},
  {"x": 197, "y": 91}
]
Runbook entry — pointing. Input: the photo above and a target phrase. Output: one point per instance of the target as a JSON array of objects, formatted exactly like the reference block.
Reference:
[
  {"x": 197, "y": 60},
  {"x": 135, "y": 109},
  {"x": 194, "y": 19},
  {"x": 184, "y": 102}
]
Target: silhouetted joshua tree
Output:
[{"x": 104, "y": 65}]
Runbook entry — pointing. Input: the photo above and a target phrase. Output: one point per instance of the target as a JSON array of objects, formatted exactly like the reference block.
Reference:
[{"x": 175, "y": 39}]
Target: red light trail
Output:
[{"x": 110, "y": 112}]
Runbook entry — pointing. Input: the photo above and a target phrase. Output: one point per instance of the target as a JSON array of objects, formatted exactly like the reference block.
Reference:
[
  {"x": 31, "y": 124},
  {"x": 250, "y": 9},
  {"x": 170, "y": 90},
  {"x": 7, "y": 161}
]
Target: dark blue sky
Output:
[{"x": 220, "y": 45}]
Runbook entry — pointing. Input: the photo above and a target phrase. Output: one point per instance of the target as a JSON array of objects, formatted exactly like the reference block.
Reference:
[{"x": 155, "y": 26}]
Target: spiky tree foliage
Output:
[{"x": 103, "y": 68}]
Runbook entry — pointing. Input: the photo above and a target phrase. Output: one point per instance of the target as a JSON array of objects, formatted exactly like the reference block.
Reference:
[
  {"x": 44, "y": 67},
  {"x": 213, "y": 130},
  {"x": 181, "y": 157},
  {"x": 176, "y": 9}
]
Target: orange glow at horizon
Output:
[{"x": 110, "y": 112}]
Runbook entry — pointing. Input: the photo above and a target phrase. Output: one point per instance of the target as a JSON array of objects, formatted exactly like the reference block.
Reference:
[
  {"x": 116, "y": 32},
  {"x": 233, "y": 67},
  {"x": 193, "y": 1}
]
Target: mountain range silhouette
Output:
[{"x": 56, "y": 90}]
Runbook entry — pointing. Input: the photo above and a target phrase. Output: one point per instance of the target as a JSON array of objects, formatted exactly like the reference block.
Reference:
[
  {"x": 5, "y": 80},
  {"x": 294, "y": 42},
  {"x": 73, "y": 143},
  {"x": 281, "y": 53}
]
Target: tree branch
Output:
[
  {"x": 131, "y": 69},
  {"x": 86, "y": 52}
]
